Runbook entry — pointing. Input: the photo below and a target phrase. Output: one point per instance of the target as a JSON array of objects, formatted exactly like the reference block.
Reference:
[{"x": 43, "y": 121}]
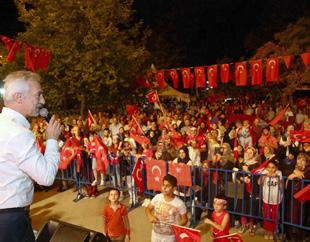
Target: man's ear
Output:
[{"x": 18, "y": 97}]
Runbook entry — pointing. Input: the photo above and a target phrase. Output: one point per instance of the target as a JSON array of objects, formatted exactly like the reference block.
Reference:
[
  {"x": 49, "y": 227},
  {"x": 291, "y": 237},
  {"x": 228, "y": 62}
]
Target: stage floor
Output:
[{"x": 87, "y": 213}]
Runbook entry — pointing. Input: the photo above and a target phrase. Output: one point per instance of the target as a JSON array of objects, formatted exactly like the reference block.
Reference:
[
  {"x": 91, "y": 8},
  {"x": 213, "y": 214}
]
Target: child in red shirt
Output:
[
  {"x": 115, "y": 218},
  {"x": 219, "y": 219}
]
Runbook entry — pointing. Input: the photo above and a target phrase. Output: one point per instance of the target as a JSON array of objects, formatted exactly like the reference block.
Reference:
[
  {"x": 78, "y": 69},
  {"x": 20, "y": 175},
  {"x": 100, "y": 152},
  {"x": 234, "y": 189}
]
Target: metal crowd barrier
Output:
[{"x": 243, "y": 200}]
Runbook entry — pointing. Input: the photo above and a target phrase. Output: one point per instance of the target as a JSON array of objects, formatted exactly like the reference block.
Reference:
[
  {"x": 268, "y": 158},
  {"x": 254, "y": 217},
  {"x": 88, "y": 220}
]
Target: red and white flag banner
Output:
[
  {"x": 186, "y": 72},
  {"x": 183, "y": 174},
  {"x": 256, "y": 72},
  {"x": 138, "y": 176},
  {"x": 89, "y": 120},
  {"x": 174, "y": 77},
  {"x": 212, "y": 76},
  {"x": 225, "y": 73},
  {"x": 155, "y": 172},
  {"x": 241, "y": 73},
  {"x": 272, "y": 69},
  {"x": 184, "y": 234},
  {"x": 200, "y": 76},
  {"x": 160, "y": 76}
]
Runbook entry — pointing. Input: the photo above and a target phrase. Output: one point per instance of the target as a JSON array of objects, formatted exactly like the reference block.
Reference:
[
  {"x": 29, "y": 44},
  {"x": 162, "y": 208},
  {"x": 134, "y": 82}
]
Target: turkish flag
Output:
[
  {"x": 174, "y": 77},
  {"x": 32, "y": 57},
  {"x": 225, "y": 73},
  {"x": 67, "y": 154},
  {"x": 306, "y": 58},
  {"x": 13, "y": 51},
  {"x": 153, "y": 97},
  {"x": 241, "y": 74},
  {"x": 303, "y": 195},
  {"x": 160, "y": 76},
  {"x": 183, "y": 174},
  {"x": 89, "y": 120},
  {"x": 258, "y": 170},
  {"x": 257, "y": 72},
  {"x": 272, "y": 69},
  {"x": 8, "y": 42},
  {"x": 141, "y": 139},
  {"x": 131, "y": 109},
  {"x": 135, "y": 126},
  {"x": 176, "y": 139},
  {"x": 192, "y": 81},
  {"x": 212, "y": 75},
  {"x": 155, "y": 172},
  {"x": 101, "y": 152},
  {"x": 302, "y": 136},
  {"x": 200, "y": 76},
  {"x": 138, "y": 176},
  {"x": 278, "y": 117},
  {"x": 287, "y": 60},
  {"x": 184, "y": 234},
  {"x": 44, "y": 59},
  {"x": 230, "y": 237},
  {"x": 186, "y": 77}
]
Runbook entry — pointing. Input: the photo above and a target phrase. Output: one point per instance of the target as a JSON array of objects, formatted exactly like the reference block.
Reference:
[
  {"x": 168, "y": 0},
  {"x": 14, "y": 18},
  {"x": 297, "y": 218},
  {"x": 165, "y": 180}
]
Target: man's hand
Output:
[
  {"x": 153, "y": 219},
  {"x": 53, "y": 129}
]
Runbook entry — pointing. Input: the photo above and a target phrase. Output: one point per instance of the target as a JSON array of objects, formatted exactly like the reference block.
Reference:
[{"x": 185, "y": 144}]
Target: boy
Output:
[
  {"x": 219, "y": 219},
  {"x": 165, "y": 209},
  {"x": 115, "y": 218}
]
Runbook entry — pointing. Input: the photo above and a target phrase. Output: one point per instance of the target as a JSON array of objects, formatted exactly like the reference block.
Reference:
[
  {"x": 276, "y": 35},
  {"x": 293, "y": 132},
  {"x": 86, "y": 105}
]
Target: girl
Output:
[
  {"x": 219, "y": 219},
  {"x": 272, "y": 186}
]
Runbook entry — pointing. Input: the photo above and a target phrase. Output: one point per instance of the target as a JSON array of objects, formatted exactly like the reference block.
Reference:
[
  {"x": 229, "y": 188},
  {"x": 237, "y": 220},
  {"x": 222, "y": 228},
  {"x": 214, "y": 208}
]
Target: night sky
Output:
[{"x": 208, "y": 30}]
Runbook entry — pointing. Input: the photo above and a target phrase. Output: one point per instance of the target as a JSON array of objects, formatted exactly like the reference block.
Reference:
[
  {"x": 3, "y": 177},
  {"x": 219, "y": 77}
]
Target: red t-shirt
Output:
[
  {"x": 115, "y": 220},
  {"x": 218, "y": 220}
]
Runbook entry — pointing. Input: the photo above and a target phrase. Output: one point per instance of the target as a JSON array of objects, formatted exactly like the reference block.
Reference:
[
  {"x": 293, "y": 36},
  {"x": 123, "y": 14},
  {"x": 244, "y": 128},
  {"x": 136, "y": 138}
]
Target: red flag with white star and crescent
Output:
[
  {"x": 200, "y": 76},
  {"x": 7, "y": 42},
  {"x": 137, "y": 175},
  {"x": 212, "y": 75},
  {"x": 160, "y": 76},
  {"x": 184, "y": 234},
  {"x": 302, "y": 136},
  {"x": 225, "y": 73},
  {"x": 174, "y": 77},
  {"x": 155, "y": 172},
  {"x": 241, "y": 74},
  {"x": 186, "y": 77},
  {"x": 183, "y": 174},
  {"x": 272, "y": 70},
  {"x": 257, "y": 72}
]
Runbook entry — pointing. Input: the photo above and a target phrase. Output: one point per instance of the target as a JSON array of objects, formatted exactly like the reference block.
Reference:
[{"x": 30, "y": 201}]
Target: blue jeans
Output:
[{"x": 15, "y": 226}]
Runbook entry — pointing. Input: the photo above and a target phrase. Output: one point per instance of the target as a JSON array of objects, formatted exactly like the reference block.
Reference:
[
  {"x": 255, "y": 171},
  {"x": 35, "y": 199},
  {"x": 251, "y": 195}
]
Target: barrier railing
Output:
[{"x": 244, "y": 191}]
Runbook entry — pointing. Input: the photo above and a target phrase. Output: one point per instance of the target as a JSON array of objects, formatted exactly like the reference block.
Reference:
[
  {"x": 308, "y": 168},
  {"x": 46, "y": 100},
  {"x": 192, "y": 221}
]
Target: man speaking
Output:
[{"x": 20, "y": 160}]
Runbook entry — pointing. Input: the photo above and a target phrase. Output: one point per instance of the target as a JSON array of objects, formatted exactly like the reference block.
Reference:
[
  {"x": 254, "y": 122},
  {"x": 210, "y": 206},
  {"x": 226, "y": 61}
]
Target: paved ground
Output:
[{"x": 87, "y": 213}]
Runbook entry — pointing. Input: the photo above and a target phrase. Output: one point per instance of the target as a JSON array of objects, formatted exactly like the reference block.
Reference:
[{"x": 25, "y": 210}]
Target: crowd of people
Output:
[{"x": 239, "y": 136}]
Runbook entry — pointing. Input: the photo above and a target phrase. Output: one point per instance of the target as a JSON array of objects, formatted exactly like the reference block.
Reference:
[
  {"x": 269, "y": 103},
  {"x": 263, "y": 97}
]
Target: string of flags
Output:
[
  {"x": 35, "y": 58},
  {"x": 203, "y": 75}
]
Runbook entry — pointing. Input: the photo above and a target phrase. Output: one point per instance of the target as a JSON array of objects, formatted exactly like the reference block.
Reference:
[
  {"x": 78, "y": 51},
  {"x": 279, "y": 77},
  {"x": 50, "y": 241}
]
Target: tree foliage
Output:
[
  {"x": 294, "y": 40},
  {"x": 96, "y": 45}
]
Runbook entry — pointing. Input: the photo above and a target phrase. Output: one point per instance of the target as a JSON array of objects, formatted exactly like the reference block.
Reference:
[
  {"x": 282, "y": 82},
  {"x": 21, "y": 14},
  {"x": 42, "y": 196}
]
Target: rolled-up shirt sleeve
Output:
[{"x": 41, "y": 168}]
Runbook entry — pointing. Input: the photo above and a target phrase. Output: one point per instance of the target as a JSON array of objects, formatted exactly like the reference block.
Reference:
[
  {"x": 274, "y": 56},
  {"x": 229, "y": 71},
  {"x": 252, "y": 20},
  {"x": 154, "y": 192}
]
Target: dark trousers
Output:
[{"x": 15, "y": 226}]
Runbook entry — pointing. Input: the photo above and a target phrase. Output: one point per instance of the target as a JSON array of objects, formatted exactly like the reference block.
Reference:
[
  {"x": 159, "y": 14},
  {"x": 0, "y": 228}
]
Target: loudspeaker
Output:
[{"x": 58, "y": 231}]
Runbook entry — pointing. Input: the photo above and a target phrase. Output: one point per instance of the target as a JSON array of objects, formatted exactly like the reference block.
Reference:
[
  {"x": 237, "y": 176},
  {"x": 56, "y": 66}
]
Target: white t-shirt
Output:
[
  {"x": 168, "y": 213},
  {"x": 272, "y": 193}
]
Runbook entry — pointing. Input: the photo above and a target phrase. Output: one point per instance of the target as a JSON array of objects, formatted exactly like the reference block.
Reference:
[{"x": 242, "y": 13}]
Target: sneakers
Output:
[
  {"x": 102, "y": 182},
  {"x": 94, "y": 183}
]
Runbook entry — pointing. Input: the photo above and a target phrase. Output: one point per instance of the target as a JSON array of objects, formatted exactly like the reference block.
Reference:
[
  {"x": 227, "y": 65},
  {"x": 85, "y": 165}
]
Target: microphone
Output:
[{"x": 44, "y": 113}]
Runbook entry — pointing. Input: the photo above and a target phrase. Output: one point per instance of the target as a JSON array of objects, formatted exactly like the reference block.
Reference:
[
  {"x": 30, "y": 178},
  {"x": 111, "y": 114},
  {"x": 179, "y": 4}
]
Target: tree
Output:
[
  {"x": 96, "y": 47},
  {"x": 294, "y": 40}
]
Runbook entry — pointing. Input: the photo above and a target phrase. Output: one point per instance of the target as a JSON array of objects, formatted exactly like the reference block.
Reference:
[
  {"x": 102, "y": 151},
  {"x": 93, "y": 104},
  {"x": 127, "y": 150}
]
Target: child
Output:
[
  {"x": 165, "y": 209},
  {"x": 272, "y": 186},
  {"x": 115, "y": 218},
  {"x": 219, "y": 219}
]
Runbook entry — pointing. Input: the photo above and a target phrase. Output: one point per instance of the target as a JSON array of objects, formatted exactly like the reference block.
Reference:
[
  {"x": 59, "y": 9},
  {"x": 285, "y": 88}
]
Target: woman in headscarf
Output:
[{"x": 183, "y": 156}]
